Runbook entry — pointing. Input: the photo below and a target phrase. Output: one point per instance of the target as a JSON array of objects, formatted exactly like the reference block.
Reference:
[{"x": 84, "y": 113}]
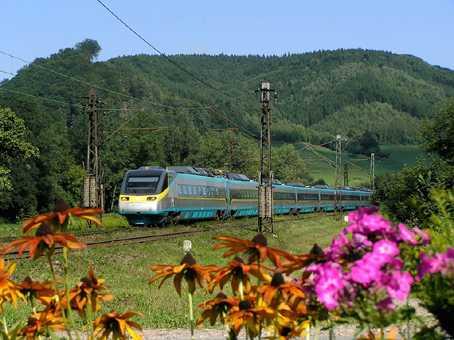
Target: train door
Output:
[
  {"x": 228, "y": 197},
  {"x": 171, "y": 184}
]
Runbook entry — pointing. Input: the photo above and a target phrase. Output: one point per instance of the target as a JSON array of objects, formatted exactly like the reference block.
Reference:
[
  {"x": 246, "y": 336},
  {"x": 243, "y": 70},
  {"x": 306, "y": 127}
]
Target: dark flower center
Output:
[
  {"x": 277, "y": 279},
  {"x": 316, "y": 250},
  {"x": 87, "y": 282},
  {"x": 188, "y": 259},
  {"x": 190, "y": 274},
  {"x": 60, "y": 205},
  {"x": 260, "y": 239},
  {"x": 44, "y": 229},
  {"x": 244, "y": 305},
  {"x": 285, "y": 331},
  {"x": 221, "y": 295},
  {"x": 238, "y": 259}
]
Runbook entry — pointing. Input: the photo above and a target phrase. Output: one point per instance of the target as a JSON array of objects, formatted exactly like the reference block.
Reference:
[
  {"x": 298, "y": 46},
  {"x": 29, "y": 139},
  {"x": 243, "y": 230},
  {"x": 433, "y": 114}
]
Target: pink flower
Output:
[
  {"x": 366, "y": 270},
  {"x": 361, "y": 240},
  {"x": 386, "y": 304},
  {"x": 397, "y": 284},
  {"x": 429, "y": 265},
  {"x": 338, "y": 246},
  {"x": 447, "y": 268},
  {"x": 329, "y": 282},
  {"x": 423, "y": 236},
  {"x": 407, "y": 235},
  {"x": 387, "y": 249},
  {"x": 328, "y": 299},
  {"x": 375, "y": 224}
]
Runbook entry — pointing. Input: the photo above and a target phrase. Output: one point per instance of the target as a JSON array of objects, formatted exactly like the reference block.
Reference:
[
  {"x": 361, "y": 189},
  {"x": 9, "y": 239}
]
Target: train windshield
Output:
[{"x": 142, "y": 184}]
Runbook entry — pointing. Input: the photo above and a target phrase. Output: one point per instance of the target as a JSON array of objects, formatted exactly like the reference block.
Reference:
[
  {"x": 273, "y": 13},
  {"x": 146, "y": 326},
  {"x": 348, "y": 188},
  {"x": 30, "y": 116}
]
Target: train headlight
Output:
[
  {"x": 151, "y": 198},
  {"x": 124, "y": 198}
]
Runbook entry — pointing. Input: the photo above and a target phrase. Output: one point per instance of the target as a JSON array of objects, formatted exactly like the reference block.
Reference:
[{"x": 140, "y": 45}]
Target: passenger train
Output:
[{"x": 156, "y": 196}]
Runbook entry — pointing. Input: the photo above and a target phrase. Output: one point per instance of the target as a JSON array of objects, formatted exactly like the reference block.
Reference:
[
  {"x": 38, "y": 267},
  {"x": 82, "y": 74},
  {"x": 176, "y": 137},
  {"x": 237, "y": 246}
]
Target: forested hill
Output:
[
  {"x": 353, "y": 92},
  {"x": 344, "y": 91}
]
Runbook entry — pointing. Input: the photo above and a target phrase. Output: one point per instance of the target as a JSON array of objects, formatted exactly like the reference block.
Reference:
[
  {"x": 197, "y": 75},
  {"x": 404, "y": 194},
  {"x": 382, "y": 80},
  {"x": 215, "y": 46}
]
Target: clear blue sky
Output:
[{"x": 37, "y": 28}]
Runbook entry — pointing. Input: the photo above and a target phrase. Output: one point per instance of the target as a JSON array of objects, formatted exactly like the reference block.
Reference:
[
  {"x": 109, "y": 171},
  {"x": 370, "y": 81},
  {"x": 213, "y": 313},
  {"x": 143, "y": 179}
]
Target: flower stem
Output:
[
  {"x": 51, "y": 266},
  {"x": 5, "y": 326},
  {"x": 68, "y": 301},
  {"x": 191, "y": 315}
]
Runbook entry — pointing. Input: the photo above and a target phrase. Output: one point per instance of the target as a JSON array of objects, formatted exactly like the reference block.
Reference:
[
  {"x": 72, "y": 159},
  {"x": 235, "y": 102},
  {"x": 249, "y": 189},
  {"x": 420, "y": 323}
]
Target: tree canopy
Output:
[{"x": 14, "y": 145}]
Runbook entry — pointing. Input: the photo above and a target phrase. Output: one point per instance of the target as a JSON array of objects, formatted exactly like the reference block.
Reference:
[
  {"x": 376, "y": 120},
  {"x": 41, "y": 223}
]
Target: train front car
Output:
[{"x": 144, "y": 196}]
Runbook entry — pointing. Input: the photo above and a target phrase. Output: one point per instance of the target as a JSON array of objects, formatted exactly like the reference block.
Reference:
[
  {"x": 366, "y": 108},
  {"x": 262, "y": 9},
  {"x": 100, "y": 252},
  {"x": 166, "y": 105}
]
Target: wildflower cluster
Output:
[
  {"x": 365, "y": 273},
  {"x": 261, "y": 299},
  {"x": 54, "y": 302}
]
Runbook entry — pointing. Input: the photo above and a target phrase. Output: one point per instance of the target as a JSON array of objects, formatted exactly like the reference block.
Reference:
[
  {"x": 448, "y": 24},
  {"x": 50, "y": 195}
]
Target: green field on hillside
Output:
[
  {"x": 126, "y": 267},
  {"x": 318, "y": 162}
]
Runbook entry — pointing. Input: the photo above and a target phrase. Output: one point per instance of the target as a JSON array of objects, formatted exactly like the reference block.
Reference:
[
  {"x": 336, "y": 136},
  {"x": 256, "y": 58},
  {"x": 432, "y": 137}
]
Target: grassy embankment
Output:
[
  {"x": 126, "y": 267},
  {"x": 399, "y": 156}
]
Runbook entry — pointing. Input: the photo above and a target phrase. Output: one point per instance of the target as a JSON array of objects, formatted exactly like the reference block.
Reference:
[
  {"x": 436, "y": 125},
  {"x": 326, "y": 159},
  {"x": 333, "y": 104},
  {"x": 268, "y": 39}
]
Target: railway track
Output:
[{"x": 162, "y": 236}]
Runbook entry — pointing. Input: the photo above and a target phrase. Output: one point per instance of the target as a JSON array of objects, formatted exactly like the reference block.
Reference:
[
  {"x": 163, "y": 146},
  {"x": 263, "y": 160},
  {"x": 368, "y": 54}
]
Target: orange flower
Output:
[
  {"x": 279, "y": 290},
  {"x": 35, "y": 289},
  {"x": 89, "y": 291},
  {"x": 9, "y": 292},
  {"x": 116, "y": 325},
  {"x": 217, "y": 307},
  {"x": 55, "y": 304},
  {"x": 43, "y": 241},
  {"x": 187, "y": 269},
  {"x": 257, "y": 249},
  {"x": 251, "y": 317},
  {"x": 286, "y": 325},
  {"x": 237, "y": 271},
  {"x": 296, "y": 263},
  {"x": 41, "y": 324},
  {"x": 60, "y": 216}
]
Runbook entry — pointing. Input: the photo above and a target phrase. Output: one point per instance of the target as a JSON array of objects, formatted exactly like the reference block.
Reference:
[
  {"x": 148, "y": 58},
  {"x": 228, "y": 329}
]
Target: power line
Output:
[
  {"x": 89, "y": 84},
  {"x": 182, "y": 68},
  {"x": 6, "y": 72},
  {"x": 111, "y": 91},
  {"x": 178, "y": 65},
  {"x": 40, "y": 97}
]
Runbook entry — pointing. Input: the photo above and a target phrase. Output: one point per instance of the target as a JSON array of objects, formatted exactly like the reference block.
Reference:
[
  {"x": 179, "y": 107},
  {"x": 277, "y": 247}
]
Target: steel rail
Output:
[{"x": 14, "y": 255}]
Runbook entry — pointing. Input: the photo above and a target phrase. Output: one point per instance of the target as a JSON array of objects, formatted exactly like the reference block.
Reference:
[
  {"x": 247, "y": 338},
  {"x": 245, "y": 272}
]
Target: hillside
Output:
[
  {"x": 320, "y": 94},
  {"x": 359, "y": 166},
  {"x": 314, "y": 88}
]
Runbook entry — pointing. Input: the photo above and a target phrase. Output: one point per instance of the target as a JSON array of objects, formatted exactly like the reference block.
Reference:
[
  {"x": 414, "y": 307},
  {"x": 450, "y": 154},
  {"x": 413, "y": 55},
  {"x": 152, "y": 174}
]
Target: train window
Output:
[
  {"x": 143, "y": 184},
  {"x": 165, "y": 183},
  {"x": 308, "y": 196}
]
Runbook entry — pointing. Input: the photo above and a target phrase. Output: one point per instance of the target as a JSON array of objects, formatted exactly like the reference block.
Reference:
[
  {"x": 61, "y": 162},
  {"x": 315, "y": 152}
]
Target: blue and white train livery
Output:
[{"x": 151, "y": 195}]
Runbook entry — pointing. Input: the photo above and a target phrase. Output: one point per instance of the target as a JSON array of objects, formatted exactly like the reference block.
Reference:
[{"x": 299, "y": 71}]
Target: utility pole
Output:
[
  {"x": 233, "y": 146},
  {"x": 338, "y": 164},
  {"x": 265, "y": 186},
  {"x": 372, "y": 171},
  {"x": 345, "y": 174},
  {"x": 93, "y": 187},
  {"x": 338, "y": 169}
]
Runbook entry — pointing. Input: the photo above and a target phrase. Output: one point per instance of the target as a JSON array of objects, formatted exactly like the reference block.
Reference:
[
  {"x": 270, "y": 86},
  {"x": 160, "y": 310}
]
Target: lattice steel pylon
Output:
[
  {"x": 93, "y": 196},
  {"x": 265, "y": 180}
]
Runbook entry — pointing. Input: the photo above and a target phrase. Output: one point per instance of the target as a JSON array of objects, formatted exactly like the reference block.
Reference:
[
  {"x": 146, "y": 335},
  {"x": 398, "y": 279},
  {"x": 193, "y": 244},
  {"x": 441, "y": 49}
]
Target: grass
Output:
[
  {"x": 399, "y": 156},
  {"x": 126, "y": 267},
  {"x": 110, "y": 222}
]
